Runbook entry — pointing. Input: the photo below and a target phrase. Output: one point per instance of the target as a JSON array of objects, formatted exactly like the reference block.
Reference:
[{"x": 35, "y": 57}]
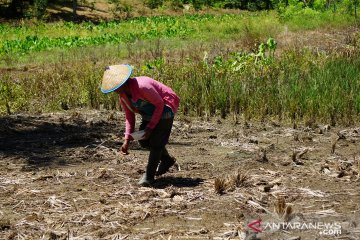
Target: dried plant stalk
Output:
[
  {"x": 283, "y": 210},
  {"x": 230, "y": 182},
  {"x": 280, "y": 206},
  {"x": 220, "y": 185}
]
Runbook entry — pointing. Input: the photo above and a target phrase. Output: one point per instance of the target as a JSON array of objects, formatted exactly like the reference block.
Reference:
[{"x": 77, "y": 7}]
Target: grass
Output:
[
  {"x": 38, "y": 36},
  {"x": 299, "y": 85},
  {"x": 309, "y": 19},
  {"x": 207, "y": 69}
]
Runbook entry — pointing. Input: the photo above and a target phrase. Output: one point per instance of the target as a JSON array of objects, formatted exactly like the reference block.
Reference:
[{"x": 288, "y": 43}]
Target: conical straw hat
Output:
[{"x": 114, "y": 77}]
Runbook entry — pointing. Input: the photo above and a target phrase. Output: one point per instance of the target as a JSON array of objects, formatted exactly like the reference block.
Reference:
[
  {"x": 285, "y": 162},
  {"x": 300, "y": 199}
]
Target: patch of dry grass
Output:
[{"x": 230, "y": 182}]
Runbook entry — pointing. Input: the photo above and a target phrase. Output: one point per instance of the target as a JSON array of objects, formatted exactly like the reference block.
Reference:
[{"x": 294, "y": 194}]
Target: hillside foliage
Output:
[{"x": 37, "y": 8}]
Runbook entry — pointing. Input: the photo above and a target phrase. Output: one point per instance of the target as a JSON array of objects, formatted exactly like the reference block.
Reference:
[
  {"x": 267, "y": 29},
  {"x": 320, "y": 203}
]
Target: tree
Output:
[
  {"x": 74, "y": 7},
  {"x": 40, "y": 7},
  {"x": 37, "y": 8},
  {"x": 355, "y": 7},
  {"x": 16, "y": 8}
]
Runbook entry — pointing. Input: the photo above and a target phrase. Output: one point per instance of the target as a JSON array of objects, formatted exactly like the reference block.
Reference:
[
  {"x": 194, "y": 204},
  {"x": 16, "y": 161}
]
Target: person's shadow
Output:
[
  {"x": 179, "y": 182},
  {"x": 43, "y": 141}
]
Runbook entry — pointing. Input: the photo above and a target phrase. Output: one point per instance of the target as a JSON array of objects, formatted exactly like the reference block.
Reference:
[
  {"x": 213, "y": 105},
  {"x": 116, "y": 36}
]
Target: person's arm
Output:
[{"x": 129, "y": 123}]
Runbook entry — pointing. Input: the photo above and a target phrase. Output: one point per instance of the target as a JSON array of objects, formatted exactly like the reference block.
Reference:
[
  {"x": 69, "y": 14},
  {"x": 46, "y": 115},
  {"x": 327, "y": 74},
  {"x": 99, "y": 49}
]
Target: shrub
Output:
[
  {"x": 40, "y": 8},
  {"x": 154, "y": 3}
]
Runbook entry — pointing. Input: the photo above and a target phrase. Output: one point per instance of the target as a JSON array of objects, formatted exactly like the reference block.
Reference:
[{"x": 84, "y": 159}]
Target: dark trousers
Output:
[
  {"x": 156, "y": 143},
  {"x": 160, "y": 134}
]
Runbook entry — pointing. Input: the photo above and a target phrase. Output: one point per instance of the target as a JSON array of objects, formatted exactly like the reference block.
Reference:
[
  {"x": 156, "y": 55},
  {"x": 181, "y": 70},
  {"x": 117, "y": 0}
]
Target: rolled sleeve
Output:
[{"x": 129, "y": 118}]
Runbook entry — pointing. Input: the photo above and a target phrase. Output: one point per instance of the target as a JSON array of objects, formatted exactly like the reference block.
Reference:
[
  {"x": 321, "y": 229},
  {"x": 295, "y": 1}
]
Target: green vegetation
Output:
[
  {"x": 29, "y": 38},
  {"x": 64, "y": 35},
  {"x": 298, "y": 85},
  {"x": 58, "y": 66},
  {"x": 37, "y": 8}
]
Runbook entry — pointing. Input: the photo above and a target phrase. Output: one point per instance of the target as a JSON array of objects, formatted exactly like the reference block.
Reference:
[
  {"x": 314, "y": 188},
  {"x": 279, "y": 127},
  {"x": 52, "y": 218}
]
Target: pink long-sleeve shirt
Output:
[{"x": 154, "y": 92}]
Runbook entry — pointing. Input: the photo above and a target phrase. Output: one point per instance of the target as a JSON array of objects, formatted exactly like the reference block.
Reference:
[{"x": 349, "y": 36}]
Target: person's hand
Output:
[
  {"x": 147, "y": 134},
  {"x": 124, "y": 149}
]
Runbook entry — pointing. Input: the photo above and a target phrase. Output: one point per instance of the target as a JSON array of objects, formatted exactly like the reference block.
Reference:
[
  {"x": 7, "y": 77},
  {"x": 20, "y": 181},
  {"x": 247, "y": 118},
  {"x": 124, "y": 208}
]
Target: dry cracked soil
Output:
[{"x": 62, "y": 177}]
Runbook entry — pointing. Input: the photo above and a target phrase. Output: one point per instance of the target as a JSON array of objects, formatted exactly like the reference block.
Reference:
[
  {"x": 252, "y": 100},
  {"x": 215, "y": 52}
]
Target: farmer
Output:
[{"x": 157, "y": 105}]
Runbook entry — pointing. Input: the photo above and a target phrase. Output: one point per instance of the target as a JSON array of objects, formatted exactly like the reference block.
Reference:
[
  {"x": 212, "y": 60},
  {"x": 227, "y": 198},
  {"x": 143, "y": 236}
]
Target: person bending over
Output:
[{"x": 156, "y": 103}]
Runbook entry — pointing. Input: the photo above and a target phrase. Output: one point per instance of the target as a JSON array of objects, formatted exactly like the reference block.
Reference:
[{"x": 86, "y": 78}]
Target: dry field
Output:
[{"x": 62, "y": 177}]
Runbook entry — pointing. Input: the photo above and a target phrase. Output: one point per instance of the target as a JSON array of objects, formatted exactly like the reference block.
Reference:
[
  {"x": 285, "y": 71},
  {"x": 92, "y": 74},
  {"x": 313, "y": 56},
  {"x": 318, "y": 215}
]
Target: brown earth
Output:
[
  {"x": 102, "y": 10},
  {"x": 62, "y": 177}
]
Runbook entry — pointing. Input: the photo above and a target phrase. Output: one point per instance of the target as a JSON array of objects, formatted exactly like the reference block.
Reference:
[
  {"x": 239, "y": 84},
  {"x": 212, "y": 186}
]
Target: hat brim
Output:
[{"x": 117, "y": 79}]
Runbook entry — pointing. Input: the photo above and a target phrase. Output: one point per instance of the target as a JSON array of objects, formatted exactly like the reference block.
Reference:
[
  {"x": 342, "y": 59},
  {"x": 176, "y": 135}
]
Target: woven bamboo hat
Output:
[{"x": 114, "y": 77}]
